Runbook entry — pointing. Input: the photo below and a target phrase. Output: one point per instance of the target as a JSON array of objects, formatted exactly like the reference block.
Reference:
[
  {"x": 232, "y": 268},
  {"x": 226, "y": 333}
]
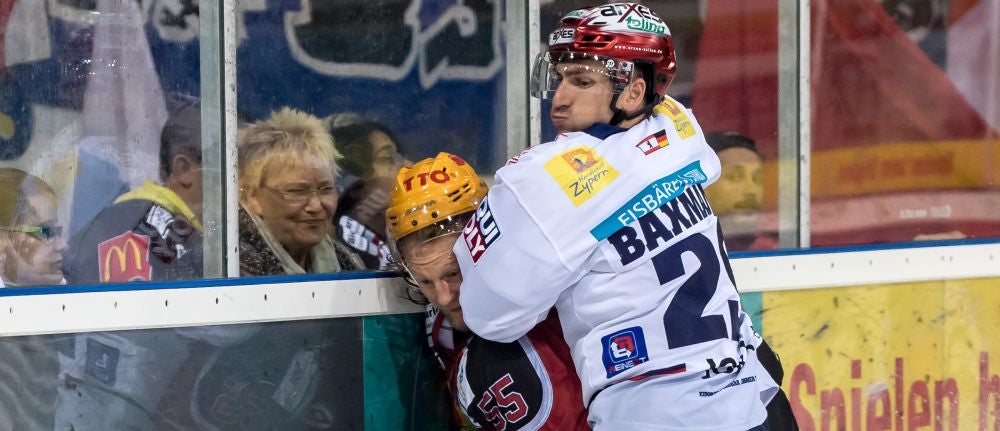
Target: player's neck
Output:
[{"x": 628, "y": 124}]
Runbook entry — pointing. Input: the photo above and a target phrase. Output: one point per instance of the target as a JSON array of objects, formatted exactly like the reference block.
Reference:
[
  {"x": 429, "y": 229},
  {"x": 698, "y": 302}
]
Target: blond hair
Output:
[
  {"x": 286, "y": 136},
  {"x": 16, "y": 186}
]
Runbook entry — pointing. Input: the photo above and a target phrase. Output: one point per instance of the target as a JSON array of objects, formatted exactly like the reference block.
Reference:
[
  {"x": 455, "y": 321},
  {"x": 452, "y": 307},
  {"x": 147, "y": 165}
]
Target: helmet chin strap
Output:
[{"x": 619, "y": 115}]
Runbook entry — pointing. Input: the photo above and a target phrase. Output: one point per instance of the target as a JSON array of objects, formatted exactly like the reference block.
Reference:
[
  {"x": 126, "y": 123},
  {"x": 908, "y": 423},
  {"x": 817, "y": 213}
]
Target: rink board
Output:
[{"x": 921, "y": 355}]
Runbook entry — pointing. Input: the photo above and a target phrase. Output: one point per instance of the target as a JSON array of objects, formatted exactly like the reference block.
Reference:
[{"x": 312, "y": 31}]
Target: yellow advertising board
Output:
[
  {"x": 897, "y": 167},
  {"x": 916, "y": 356}
]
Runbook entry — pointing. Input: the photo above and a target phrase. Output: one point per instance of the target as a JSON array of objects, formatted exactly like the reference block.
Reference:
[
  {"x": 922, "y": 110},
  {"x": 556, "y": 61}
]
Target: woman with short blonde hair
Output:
[
  {"x": 286, "y": 136},
  {"x": 287, "y": 177}
]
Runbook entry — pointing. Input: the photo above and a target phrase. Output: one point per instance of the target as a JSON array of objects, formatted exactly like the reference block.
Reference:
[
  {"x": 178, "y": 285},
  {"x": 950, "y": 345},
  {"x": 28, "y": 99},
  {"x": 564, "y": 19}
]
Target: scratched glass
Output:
[
  {"x": 348, "y": 373},
  {"x": 903, "y": 118},
  {"x": 904, "y": 124},
  {"x": 393, "y": 82},
  {"x": 92, "y": 194}
]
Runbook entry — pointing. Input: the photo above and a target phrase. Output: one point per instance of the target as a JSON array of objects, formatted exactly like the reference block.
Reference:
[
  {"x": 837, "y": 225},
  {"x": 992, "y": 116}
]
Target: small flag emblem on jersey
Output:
[
  {"x": 623, "y": 350},
  {"x": 653, "y": 142}
]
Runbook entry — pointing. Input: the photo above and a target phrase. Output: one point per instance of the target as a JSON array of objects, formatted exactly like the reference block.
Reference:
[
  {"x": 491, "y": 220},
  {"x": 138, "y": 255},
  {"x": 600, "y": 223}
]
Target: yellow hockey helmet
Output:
[{"x": 431, "y": 198}]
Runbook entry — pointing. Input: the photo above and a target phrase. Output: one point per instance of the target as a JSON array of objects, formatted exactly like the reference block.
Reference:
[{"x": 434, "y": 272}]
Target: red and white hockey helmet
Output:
[{"x": 623, "y": 37}]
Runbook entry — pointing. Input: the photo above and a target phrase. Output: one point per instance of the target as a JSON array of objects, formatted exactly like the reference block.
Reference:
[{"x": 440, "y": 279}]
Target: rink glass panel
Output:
[
  {"x": 347, "y": 373},
  {"x": 87, "y": 85},
  {"x": 905, "y": 138},
  {"x": 86, "y": 90},
  {"x": 899, "y": 104},
  {"x": 429, "y": 74},
  {"x": 905, "y": 108}
]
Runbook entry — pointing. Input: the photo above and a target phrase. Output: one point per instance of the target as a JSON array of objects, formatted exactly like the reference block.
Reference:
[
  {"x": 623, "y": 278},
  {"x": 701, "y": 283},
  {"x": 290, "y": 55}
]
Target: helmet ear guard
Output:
[{"x": 647, "y": 71}]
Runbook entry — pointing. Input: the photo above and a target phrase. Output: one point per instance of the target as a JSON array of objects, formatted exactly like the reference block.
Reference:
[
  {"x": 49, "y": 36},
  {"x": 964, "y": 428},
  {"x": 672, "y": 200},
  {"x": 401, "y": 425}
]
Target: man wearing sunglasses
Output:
[
  {"x": 31, "y": 242},
  {"x": 154, "y": 231}
]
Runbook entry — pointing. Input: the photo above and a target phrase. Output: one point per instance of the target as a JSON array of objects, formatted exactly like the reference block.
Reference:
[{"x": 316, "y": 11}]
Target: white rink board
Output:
[
  {"x": 809, "y": 269},
  {"x": 200, "y": 306},
  {"x": 216, "y": 302}
]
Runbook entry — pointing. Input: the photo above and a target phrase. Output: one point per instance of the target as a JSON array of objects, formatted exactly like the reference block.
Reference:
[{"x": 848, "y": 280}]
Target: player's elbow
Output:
[{"x": 494, "y": 316}]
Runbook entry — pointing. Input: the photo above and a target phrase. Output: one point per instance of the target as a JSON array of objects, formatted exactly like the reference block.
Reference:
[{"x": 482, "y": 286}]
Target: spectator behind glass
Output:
[
  {"x": 361, "y": 220},
  {"x": 150, "y": 233},
  {"x": 371, "y": 161},
  {"x": 288, "y": 195},
  {"x": 369, "y": 148},
  {"x": 31, "y": 242},
  {"x": 736, "y": 197},
  {"x": 30, "y": 246},
  {"x": 160, "y": 222}
]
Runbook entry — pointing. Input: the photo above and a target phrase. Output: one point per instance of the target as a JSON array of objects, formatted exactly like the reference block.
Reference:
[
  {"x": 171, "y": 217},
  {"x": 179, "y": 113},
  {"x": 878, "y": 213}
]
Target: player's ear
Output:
[{"x": 634, "y": 95}]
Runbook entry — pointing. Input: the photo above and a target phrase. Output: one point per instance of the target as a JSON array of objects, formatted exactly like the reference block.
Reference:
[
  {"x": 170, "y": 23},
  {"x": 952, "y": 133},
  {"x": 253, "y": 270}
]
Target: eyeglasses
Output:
[
  {"x": 43, "y": 233},
  {"x": 394, "y": 159},
  {"x": 301, "y": 195}
]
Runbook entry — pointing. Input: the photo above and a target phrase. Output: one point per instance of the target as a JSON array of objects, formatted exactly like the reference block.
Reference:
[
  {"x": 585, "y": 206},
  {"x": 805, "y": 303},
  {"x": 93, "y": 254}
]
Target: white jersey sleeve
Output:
[{"x": 512, "y": 271}]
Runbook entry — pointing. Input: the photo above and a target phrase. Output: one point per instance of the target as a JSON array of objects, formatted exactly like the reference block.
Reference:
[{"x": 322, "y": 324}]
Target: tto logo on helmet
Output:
[{"x": 438, "y": 176}]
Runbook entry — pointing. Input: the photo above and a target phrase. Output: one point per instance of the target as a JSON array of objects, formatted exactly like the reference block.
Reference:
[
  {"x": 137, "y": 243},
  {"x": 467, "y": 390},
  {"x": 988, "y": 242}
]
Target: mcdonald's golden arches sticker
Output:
[{"x": 124, "y": 258}]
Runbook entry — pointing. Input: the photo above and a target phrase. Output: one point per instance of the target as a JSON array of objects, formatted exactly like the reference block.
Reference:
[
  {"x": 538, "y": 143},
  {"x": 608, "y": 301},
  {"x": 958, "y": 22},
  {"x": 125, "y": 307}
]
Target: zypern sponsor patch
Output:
[
  {"x": 581, "y": 173},
  {"x": 678, "y": 115}
]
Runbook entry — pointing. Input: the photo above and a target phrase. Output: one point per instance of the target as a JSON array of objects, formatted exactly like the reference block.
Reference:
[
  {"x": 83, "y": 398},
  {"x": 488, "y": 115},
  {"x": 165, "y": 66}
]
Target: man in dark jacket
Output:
[
  {"x": 125, "y": 380},
  {"x": 154, "y": 231}
]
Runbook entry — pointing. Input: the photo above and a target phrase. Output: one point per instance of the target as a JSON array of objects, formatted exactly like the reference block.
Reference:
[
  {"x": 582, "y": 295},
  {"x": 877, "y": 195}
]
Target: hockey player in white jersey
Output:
[{"x": 609, "y": 224}]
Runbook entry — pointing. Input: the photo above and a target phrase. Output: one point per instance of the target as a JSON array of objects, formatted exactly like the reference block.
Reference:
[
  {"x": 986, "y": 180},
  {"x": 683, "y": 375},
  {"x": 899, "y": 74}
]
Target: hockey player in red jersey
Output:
[
  {"x": 527, "y": 384},
  {"x": 609, "y": 224}
]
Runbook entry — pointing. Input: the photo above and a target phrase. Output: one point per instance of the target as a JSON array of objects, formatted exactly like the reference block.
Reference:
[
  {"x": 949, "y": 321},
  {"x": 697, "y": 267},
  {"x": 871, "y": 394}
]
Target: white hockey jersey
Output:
[{"x": 611, "y": 226}]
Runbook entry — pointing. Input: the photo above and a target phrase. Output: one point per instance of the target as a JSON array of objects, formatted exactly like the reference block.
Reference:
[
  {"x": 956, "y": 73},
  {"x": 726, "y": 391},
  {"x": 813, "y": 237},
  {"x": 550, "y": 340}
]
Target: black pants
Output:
[{"x": 779, "y": 410}]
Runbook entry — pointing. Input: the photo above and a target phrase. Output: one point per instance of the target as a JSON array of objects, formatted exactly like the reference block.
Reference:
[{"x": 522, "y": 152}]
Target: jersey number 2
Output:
[{"x": 683, "y": 320}]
